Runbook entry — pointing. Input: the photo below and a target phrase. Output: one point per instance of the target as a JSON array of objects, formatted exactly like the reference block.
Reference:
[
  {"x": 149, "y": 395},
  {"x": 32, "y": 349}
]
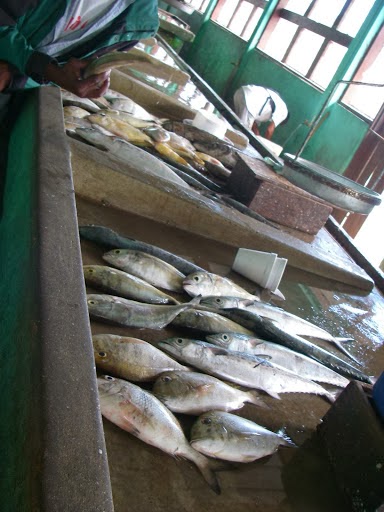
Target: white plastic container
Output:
[
  {"x": 210, "y": 123},
  {"x": 263, "y": 268}
]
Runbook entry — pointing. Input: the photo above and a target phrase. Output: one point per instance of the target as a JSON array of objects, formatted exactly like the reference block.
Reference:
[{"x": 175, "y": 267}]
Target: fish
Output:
[
  {"x": 130, "y": 154},
  {"x": 113, "y": 60},
  {"x": 153, "y": 270},
  {"x": 166, "y": 151},
  {"x": 229, "y": 437},
  {"x": 130, "y": 313},
  {"x": 122, "y": 129},
  {"x": 191, "y": 133},
  {"x": 207, "y": 321},
  {"x": 290, "y": 322},
  {"x": 195, "y": 393},
  {"x": 71, "y": 124},
  {"x": 207, "y": 284},
  {"x": 157, "y": 133},
  {"x": 106, "y": 237},
  {"x": 141, "y": 414},
  {"x": 243, "y": 369},
  {"x": 130, "y": 119},
  {"x": 129, "y": 106},
  {"x": 278, "y": 354},
  {"x": 225, "y": 153},
  {"x": 177, "y": 141},
  {"x": 72, "y": 111},
  {"x": 68, "y": 98},
  {"x": 131, "y": 358},
  {"x": 273, "y": 332},
  {"x": 218, "y": 171},
  {"x": 124, "y": 285}
]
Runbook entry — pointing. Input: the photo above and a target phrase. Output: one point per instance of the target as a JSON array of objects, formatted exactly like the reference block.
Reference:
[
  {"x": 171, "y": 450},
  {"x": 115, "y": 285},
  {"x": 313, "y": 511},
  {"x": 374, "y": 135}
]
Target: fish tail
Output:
[
  {"x": 208, "y": 469},
  {"x": 254, "y": 398},
  {"x": 332, "y": 395}
]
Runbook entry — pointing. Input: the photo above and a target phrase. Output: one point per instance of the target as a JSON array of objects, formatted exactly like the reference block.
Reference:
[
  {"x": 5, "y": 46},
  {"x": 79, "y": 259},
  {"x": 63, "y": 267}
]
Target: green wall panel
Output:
[{"x": 216, "y": 54}]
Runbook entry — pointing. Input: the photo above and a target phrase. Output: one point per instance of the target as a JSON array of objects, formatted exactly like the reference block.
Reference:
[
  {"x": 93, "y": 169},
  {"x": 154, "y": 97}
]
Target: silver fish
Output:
[
  {"x": 129, "y": 154},
  {"x": 72, "y": 111},
  {"x": 153, "y": 270},
  {"x": 131, "y": 313},
  {"x": 226, "y": 436},
  {"x": 124, "y": 285},
  {"x": 277, "y": 354},
  {"x": 207, "y": 321},
  {"x": 290, "y": 322},
  {"x": 207, "y": 284},
  {"x": 224, "y": 152},
  {"x": 131, "y": 358},
  {"x": 241, "y": 368},
  {"x": 195, "y": 393},
  {"x": 68, "y": 98},
  {"x": 144, "y": 416},
  {"x": 129, "y": 106}
]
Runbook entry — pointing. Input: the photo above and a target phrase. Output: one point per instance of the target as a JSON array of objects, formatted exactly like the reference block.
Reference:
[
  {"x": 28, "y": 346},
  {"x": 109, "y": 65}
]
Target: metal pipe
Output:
[{"x": 325, "y": 105}]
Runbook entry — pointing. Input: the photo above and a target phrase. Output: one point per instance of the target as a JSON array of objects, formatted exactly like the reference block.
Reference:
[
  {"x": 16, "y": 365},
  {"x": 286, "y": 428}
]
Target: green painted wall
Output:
[
  {"x": 19, "y": 328},
  {"x": 216, "y": 54}
]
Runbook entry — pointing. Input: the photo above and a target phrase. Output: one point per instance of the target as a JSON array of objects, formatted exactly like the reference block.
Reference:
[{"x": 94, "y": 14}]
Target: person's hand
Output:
[
  {"x": 5, "y": 75},
  {"x": 69, "y": 77}
]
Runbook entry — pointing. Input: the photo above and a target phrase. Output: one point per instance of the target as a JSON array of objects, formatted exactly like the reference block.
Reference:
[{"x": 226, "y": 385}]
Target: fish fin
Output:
[
  {"x": 130, "y": 427},
  {"x": 288, "y": 441},
  {"x": 332, "y": 395},
  {"x": 217, "y": 351},
  {"x": 204, "y": 387},
  {"x": 343, "y": 340},
  {"x": 345, "y": 351},
  {"x": 196, "y": 300},
  {"x": 248, "y": 302},
  {"x": 254, "y": 398},
  {"x": 272, "y": 394},
  {"x": 263, "y": 356}
]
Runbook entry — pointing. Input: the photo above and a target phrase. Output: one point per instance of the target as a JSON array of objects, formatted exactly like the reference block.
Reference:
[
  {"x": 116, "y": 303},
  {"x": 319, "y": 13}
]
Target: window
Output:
[
  {"x": 366, "y": 99},
  {"x": 199, "y": 5},
  {"x": 312, "y": 36},
  {"x": 239, "y": 16}
]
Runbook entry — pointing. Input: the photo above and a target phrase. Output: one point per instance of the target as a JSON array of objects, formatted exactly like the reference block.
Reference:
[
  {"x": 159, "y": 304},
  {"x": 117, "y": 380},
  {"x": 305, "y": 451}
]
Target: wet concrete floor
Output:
[{"x": 294, "y": 479}]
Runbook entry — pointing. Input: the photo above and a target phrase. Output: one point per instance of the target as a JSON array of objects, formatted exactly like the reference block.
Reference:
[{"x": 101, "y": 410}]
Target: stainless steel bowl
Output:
[{"x": 328, "y": 185}]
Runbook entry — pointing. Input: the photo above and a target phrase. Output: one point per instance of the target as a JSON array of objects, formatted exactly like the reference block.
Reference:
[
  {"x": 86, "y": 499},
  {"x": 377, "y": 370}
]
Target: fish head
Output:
[
  {"x": 169, "y": 384},
  {"x": 116, "y": 256},
  {"x": 223, "y": 339},
  {"x": 219, "y": 302},
  {"x": 181, "y": 346},
  {"x": 99, "y": 303},
  {"x": 91, "y": 273},
  {"x": 198, "y": 283},
  {"x": 208, "y": 434},
  {"x": 108, "y": 385},
  {"x": 101, "y": 351}
]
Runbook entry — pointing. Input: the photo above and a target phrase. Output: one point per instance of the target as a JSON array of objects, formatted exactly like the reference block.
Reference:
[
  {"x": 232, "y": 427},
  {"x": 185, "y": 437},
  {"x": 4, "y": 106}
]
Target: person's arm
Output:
[
  {"x": 270, "y": 130},
  {"x": 255, "y": 128}
]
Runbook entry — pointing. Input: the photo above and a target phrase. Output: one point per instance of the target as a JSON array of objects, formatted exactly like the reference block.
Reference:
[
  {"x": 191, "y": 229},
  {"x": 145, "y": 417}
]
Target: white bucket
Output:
[
  {"x": 209, "y": 123},
  {"x": 263, "y": 268}
]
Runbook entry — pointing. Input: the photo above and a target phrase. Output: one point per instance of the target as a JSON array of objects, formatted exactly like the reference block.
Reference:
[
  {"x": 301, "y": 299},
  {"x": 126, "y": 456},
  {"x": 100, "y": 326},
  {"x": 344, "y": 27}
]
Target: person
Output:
[
  {"x": 52, "y": 41},
  {"x": 255, "y": 104}
]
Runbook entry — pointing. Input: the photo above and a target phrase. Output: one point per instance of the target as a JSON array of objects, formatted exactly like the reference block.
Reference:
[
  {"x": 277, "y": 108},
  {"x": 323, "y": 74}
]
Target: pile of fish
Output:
[
  {"x": 116, "y": 122},
  {"x": 144, "y": 286}
]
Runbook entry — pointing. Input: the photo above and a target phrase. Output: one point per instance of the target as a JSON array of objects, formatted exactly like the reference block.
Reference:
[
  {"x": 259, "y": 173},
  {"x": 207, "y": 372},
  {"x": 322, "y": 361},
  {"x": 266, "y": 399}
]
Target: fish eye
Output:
[
  {"x": 225, "y": 337},
  {"x": 91, "y": 302},
  {"x": 206, "y": 421},
  {"x": 179, "y": 340},
  {"x": 167, "y": 378},
  {"x": 117, "y": 251},
  {"x": 218, "y": 300},
  {"x": 108, "y": 377},
  {"x": 196, "y": 278},
  {"x": 90, "y": 270},
  {"x": 102, "y": 354}
]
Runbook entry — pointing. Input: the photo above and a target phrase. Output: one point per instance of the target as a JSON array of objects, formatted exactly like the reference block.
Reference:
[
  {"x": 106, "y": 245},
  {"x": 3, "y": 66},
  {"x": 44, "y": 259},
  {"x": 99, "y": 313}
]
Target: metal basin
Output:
[{"x": 330, "y": 186}]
